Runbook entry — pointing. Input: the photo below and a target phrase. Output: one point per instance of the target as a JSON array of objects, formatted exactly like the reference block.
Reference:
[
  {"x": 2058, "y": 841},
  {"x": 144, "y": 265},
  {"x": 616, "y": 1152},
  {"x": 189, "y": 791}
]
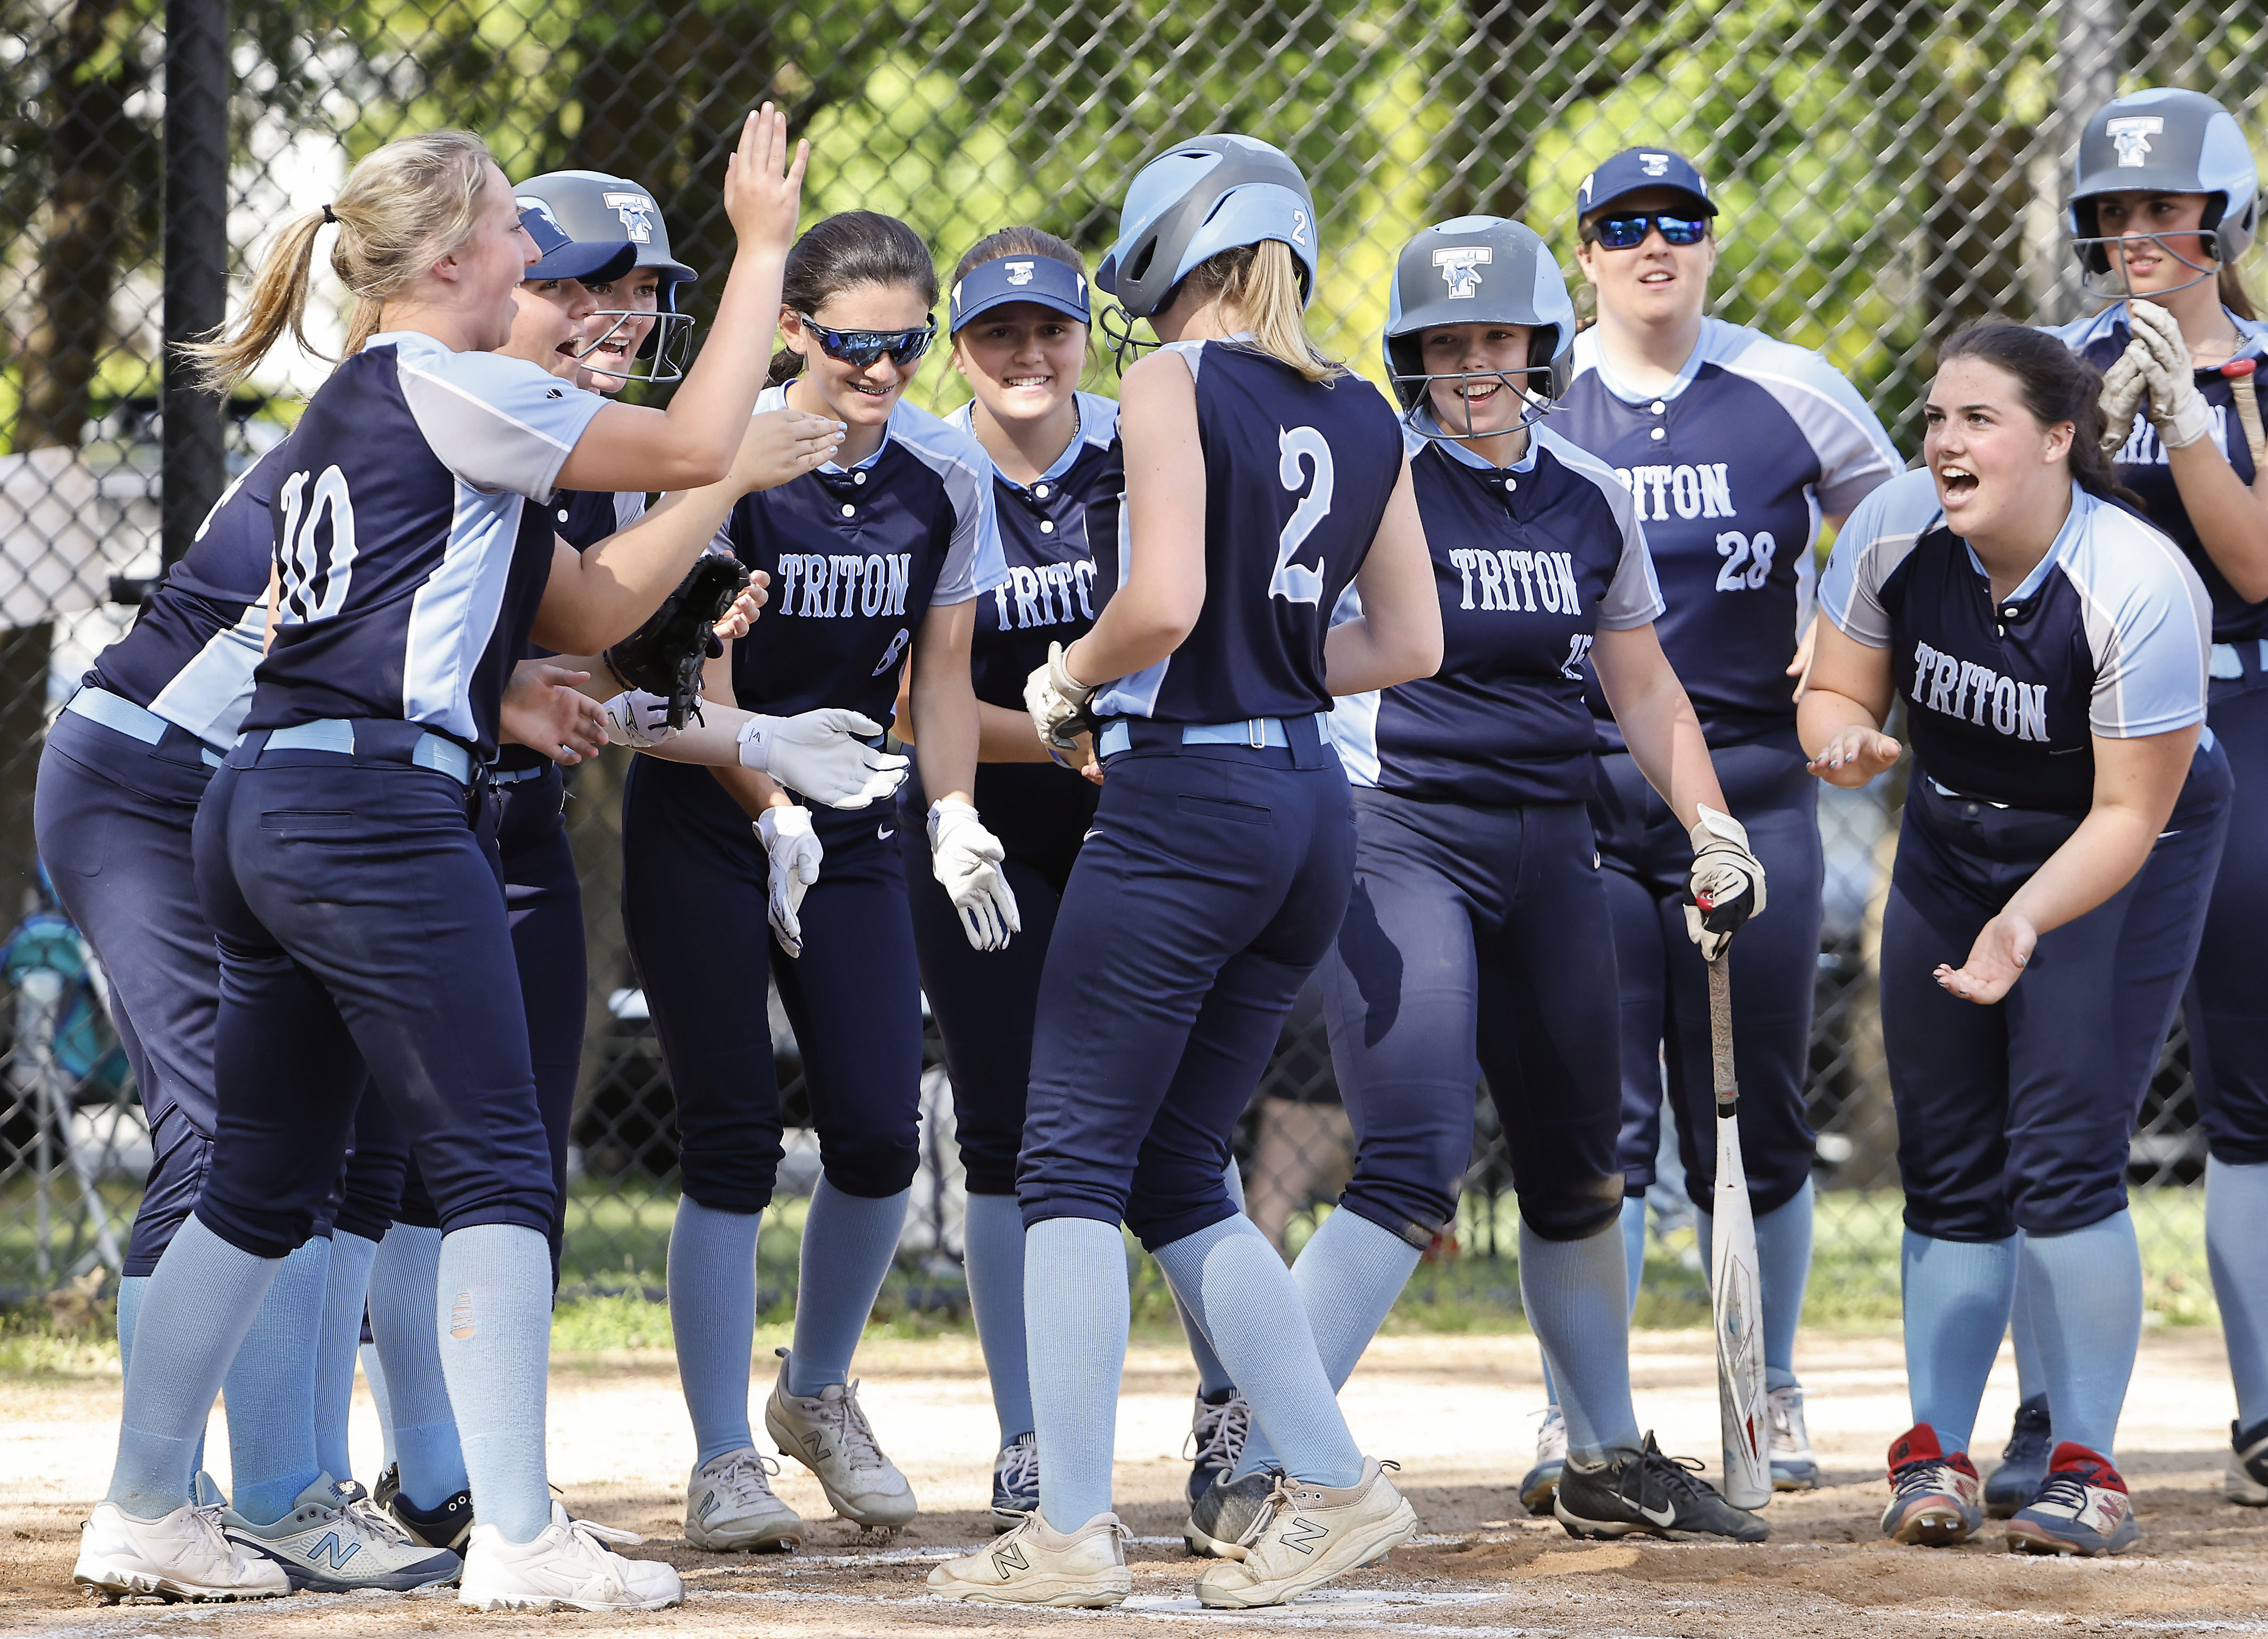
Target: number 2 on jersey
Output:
[
  {"x": 314, "y": 582},
  {"x": 1747, "y": 563},
  {"x": 1296, "y": 583}
]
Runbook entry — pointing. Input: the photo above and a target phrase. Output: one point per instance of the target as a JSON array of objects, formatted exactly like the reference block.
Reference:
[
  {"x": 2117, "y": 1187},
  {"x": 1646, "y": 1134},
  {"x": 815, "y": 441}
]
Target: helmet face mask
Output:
[
  {"x": 1422, "y": 408},
  {"x": 1478, "y": 270},
  {"x": 663, "y": 351},
  {"x": 2157, "y": 142}
]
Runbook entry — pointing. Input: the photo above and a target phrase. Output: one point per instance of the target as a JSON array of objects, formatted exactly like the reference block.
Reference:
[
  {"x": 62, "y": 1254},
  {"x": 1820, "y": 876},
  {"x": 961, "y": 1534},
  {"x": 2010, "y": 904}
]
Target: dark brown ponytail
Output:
[{"x": 2058, "y": 385}]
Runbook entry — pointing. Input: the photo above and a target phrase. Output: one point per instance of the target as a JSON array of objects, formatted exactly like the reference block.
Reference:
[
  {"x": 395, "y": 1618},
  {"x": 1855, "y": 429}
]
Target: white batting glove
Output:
[
  {"x": 2122, "y": 386},
  {"x": 1054, "y": 697},
  {"x": 1727, "y": 887},
  {"x": 795, "y": 856},
  {"x": 818, "y": 754},
  {"x": 967, "y": 859},
  {"x": 635, "y": 718},
  {"x": 2177, "y": 409}
]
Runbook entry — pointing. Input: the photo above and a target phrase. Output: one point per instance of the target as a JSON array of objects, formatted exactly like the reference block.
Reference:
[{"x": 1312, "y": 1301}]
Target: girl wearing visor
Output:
[
  {"x": 2166, "y": 201},
  {"x": 1736, "y": 448},
  {"x": 878, "y": 561},
  {"x": 1478, "y": 939},
  {"x": 1262, "y": 480}
]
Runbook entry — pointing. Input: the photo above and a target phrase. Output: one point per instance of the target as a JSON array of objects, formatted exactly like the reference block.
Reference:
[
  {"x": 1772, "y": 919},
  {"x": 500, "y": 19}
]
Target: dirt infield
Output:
[{"x": 1457, "y": 1411}]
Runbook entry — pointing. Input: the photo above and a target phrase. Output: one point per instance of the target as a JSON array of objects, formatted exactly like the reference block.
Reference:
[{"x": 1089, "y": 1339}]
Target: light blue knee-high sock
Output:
[
  {"x": 270, "y": 1391},
  {"x": 1783, "y": 1274},
  {"x": 198, "y": 1305},
  {"x": 1569, "y": 1289},
  {"x": 994, "y": 1253},
  {"x": 345, "y": 1288},
  {"x": 2236, "y": 1250},
  {"x": 373, "y": 1373},
  {"x": 1348, "y": 1275},
  {"x": 2031, "y": 1376},
  {"x": 403, "y": 1280},
  {"x": 1245, "y": 1299},
  {"x": 1213, "y": 1377},
  {"x": 712, "y": 1312},
  {"x": 494, "y": 1316},
  {"x": 2086, "y": 1292},
  {"x": 848, "y": 1243},
  {"x": 1957, "y": 1296},
  {"x": 1634, "y": 1233},
  {"x": 1076, "y": 1313},
  {"x": 132, "y": 1289}
]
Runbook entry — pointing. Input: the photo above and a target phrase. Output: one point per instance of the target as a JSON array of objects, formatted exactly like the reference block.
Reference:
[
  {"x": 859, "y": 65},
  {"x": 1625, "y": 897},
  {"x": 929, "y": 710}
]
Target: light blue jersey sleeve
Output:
[
  {"x": 503, "y": 425},
  {"x": 2148, "y": 623},
  {"x": 973, "y": 561},
  {"x": 1881, "y": 533}
]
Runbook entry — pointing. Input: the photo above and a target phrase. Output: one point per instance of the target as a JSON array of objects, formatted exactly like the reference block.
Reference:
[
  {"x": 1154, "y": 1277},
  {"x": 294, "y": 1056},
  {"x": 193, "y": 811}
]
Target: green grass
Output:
[{"x": 611, "y": 1279}]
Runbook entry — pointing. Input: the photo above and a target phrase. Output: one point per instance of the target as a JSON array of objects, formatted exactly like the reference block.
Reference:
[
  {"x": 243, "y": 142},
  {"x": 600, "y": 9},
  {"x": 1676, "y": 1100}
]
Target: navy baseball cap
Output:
[
  {"x": 1635, "y": 169},
  {"x": 565, "y": 258},
  {"x": 1033, "y": 278}
]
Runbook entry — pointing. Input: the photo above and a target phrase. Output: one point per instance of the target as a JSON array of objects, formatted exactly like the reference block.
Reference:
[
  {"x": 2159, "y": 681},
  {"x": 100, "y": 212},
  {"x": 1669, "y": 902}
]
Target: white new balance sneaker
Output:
[
  {"x": 1035, "y": 1565},
  {"x": 567, "y": 1564},
  {"x": 1311, "y": 1534},
  {"x": 180, "y": 1555},
  {"x": 827, "y": 1434},
  {"x": 729, "y": 1505},
  {"x": 330, "y": 1545},
  {"x": 1794, "y": 1467}
]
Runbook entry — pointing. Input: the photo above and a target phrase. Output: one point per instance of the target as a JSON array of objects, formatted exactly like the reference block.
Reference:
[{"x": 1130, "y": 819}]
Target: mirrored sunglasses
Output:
[
  {"x": 861, "y": 347},
  {"x": 1628, "y": 232}
]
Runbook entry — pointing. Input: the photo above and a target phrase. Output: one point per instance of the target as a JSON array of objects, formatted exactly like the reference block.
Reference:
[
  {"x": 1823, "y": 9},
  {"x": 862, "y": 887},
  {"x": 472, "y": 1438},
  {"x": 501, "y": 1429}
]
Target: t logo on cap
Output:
[
  {"x": 1655, "y": 164},
  {"x": 1019, "y": 273}
]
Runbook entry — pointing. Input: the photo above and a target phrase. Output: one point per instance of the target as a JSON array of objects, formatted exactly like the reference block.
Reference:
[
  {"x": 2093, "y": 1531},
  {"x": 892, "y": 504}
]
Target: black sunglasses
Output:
[
  {"x": 1628, "y": 232},
  {"x": 861, "y": 347}
]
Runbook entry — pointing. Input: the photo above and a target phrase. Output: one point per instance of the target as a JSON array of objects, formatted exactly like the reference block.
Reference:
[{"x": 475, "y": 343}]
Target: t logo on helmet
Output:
[
  {"x": 1460, "y": 266},
  {"x": 2132, "y": 135},
  {"x": 636, "y": 212}
]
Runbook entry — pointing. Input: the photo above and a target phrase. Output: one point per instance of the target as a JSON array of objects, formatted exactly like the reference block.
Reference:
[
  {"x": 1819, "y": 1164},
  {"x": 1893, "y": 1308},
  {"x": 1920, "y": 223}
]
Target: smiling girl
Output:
[{"x": 2061, "y": 831}]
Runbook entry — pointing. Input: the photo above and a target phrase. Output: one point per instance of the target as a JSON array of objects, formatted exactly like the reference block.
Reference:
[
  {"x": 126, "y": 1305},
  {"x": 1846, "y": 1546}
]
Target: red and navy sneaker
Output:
[
  {"x": 2082, "y": 1508},
  {"x": 1934, "y": 1497}
]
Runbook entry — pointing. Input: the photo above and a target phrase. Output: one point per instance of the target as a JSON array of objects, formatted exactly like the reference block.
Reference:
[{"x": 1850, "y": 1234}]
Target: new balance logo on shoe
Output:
[
  {"x": 1010, "y": 1558},
  {"x": 329, "y": 1549},
  {"x": 1303, "y": 1534}
]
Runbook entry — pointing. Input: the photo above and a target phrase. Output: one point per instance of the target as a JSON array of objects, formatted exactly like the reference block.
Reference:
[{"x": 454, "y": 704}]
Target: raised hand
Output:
[
  {"x": 784, "y": 443},
  {"x": 761, "y": 200}
]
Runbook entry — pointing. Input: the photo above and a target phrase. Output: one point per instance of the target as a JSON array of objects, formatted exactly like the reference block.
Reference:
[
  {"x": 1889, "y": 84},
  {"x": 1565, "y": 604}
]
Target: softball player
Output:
[
  {"x": 876, "y": 560},
  {"x": 1217, "y": 866},
  {"x": 2166, "y": 200},
  {"x": 2061, "y": 831},
  {"x": 1735, "y": 448},
  {"x": 1479, "y": 928},
  {"x": 338, "y": 854}
]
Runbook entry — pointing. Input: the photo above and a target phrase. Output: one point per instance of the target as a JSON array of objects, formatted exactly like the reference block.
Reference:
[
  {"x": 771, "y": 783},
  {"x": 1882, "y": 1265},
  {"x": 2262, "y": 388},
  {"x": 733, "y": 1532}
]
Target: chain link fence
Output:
[{"x": 1888, "y": 169}]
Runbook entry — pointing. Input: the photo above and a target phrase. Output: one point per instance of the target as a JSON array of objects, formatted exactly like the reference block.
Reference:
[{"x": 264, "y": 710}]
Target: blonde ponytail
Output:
[
  {"x": 1258, "y": 289},
  {"x": 404, "y": 208}
]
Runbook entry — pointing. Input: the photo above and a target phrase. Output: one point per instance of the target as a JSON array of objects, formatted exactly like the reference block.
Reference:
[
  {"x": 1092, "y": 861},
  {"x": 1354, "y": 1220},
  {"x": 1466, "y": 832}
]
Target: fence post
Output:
[
  {"x": 2086, "y": 76},
  {"x": 196, "y": 257}
]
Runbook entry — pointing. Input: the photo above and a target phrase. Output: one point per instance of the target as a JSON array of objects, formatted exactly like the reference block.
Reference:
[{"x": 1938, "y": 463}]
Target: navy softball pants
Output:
[
  {"x": 2227, "y": 1007},
  {"x": 984, "y": 1002},
  {"x": 114, "y": 817},
  {"x": 694, "y": 895},
  {"x": 1210, "y": 886},
  {"x": 361, "y": 922},
  {"x": 2019, "y": 1115},
  {"x": 1477, "y": 941},
  {"x": 1665, "y": 984}
]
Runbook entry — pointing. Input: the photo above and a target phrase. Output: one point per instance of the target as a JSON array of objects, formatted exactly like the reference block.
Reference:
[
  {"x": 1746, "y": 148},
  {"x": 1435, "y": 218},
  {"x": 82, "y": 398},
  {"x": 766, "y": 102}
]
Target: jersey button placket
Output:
[{"x": 1658, "y": 407}]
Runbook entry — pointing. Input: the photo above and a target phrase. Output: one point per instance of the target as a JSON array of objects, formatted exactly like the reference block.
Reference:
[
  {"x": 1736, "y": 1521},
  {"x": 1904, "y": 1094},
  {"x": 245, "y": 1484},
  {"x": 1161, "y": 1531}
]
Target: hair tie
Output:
[{"x": 328, "y": 216}]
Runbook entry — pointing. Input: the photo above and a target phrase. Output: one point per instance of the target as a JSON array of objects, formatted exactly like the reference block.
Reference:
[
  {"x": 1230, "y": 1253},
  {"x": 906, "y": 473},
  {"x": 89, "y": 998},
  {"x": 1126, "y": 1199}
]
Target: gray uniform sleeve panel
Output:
[
  {"x": 1879, "y": 535},
  {"x": 974, "y": 562},
  {"x": 500, "y": 424},
  {"x": 1634, "y": 597},
  {"x": 630, "y": 506},
  {"x": 2149, "y": 625},
  {"x": 1854, "y": 453},
  {"x": 1098, "y": 419}
]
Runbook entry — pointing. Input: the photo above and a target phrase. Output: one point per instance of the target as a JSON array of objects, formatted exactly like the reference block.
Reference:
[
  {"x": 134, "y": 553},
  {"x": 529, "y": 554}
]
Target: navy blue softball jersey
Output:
[
  {"x": 1732, "y": 468},
  {"x": 1531, "y": 562},
  {"x": 857, "y": 554},
  {"x": 413, "y": 537},
  {"x": 1047, "y": 529},
  {"x": 2109, "y": 635},
  {"x": 190, "y": 656},
  {"x": 2142, "y": 465},
  {"x": 1298, "y": 474}
]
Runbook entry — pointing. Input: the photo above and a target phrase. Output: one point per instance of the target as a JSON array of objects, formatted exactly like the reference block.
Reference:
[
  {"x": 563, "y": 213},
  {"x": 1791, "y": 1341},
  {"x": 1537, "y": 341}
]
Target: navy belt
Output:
[
  {"x": 137, "y": 722},
  {"x": 1118, "y": 734},
  {"x": 382, "y": 738}
]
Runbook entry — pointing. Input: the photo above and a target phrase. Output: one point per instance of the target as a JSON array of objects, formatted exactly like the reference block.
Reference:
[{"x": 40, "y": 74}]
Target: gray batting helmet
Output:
[
  {"x": 1480, "y": 270},
  {"x": 2169, "y": 142},
  {"x": 593, "y": 205}
]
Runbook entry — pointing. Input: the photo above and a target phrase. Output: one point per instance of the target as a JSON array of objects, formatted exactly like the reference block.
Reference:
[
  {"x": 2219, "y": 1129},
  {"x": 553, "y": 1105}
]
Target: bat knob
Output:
[{"x": 2237, "y": 369}]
